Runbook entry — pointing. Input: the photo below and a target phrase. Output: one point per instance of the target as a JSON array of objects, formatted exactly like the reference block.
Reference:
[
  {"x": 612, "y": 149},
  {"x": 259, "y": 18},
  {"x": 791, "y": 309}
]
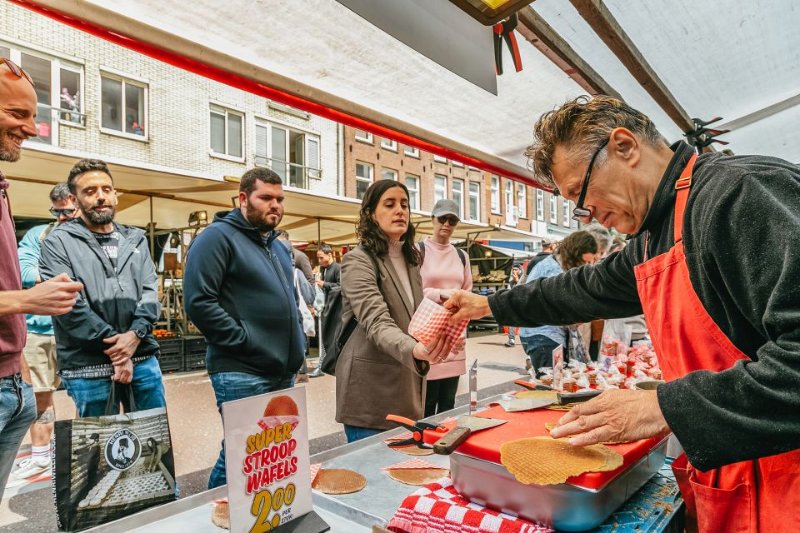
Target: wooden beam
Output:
[
  {"x": 760, "y": 114},
  {"x": 545, "y": 39},
  {"x": 608, "y": 29}
]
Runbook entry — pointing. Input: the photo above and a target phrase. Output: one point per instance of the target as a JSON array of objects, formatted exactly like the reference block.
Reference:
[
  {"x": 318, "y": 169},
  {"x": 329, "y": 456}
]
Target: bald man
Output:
[{"x": 57, "y": 296}]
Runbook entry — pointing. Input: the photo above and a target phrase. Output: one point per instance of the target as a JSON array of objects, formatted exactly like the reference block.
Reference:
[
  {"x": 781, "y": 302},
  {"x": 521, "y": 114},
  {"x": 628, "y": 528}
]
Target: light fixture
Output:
[{"x": 198, "y": 218}]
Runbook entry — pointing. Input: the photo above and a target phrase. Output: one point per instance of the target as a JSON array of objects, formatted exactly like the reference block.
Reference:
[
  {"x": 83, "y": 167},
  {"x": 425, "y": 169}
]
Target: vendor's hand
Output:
[
  {"x": 437, "y": 352},
  {"x": 123, "y": 346},
  {"x": 55, "y": 296},
  {"x": 466, "y": 306},
  {"x": 123, "y": 372},
  {"x": 320, "y": 283},
  {"x": 614, "y": 416},
  {"x": 446, "y": 294}
]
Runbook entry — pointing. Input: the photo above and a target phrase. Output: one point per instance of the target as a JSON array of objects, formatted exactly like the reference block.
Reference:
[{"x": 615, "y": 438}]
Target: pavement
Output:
[{"x": 196, "y": 427}]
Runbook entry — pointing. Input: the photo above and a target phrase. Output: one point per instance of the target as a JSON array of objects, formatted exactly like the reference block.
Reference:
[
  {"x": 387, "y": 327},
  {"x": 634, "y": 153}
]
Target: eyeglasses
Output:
[
  {"x": 581, "y": 212},
  {"x": 16, "y": 70},
  {"x": 67, "y": 212},
  {"x": 448, "y": 219}
]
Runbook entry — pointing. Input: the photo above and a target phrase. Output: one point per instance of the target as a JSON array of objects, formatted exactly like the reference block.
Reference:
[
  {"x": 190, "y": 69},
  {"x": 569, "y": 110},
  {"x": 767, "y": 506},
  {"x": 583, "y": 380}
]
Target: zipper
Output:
[{"x": 277, "y": 266}]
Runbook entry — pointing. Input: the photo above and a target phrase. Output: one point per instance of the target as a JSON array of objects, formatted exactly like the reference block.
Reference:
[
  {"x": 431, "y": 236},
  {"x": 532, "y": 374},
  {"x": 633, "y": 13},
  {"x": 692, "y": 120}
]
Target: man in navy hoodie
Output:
[{"x": 239, "y": 292}]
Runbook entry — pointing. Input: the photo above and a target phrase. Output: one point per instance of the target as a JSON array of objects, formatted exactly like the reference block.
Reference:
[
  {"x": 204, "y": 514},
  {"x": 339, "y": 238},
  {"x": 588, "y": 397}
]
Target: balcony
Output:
[{"x": 292, "y": 174}]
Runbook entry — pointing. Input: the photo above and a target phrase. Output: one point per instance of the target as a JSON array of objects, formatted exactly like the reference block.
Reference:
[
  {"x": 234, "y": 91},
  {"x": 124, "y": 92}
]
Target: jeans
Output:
[
  {"x": 17, "y": 413},
  {"x": 354, "y": 433},
  {"x": 91, "y": 395},
  {"x": 540, "y": 351},
  {"x": 440, "y": 395},
  {"x": 229, "y": 386}
]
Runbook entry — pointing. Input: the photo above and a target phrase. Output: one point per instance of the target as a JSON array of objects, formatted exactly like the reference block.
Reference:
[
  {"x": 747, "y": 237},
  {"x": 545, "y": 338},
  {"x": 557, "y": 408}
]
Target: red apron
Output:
[{"x": 750, "y": 496}]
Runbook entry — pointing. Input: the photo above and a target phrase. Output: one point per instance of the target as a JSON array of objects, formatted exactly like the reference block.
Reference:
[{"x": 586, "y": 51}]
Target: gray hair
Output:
[
  {"x": 601, "y": 235},
  {"x": 59, "y": 193}
]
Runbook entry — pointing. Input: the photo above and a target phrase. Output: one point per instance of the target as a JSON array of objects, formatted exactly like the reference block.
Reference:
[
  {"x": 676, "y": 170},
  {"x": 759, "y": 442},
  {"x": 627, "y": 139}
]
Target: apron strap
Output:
[{"x": 682, "y": 186}]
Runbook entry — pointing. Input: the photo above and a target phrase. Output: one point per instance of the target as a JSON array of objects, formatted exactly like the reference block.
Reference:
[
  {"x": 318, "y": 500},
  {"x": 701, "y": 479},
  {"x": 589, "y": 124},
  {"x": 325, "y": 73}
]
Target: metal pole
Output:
[
  {"x": 152, "y": 234},
  {"x": 319, "y": 234}
]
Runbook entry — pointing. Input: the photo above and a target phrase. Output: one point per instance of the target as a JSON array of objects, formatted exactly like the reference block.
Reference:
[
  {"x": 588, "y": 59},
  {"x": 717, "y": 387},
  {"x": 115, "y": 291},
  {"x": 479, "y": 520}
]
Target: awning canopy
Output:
[{"x": 737, "y": 60}]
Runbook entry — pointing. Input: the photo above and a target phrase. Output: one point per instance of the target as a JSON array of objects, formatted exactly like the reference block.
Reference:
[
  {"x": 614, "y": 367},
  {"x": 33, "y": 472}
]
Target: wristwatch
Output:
[{"x": 139, "y": 333}]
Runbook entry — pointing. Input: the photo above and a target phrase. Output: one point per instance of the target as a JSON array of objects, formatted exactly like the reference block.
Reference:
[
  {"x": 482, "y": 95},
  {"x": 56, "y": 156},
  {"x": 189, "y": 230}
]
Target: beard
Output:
[
  {"x": 260, "y": 220},
  {"x": 9, "y": 151},
  {"x": 98, "y": 219}
]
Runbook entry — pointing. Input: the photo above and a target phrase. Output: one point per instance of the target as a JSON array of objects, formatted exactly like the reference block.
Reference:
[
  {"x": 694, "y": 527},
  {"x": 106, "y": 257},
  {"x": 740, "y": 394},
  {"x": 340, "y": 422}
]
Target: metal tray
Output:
[{"x": 564, "y": 507}]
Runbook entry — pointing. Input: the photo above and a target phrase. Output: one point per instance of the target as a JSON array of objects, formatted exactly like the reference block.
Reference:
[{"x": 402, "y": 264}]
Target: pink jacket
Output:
[{"x": 442, "y": 269}]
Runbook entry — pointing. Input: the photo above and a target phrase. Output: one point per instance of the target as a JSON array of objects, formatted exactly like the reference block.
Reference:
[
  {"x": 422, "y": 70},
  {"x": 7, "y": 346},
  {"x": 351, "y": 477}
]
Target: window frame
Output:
[
  {"x": 522, "y": 200},
  {"x": 309, "y": 136},
  {"x": 370, "y": 180},
  {"x": 389, "y": 144},
  {"x": 439, "y": 159},
  {"x": 387, "y": 169},
  {"x": 566, "y": 213},
  {"x": 125, "y": 79},
  {"x": 414, "y": 205},
  {"x": 476, "y": 216},
  {"x": 411, "y": 151},
  {"x": 494, "y": 195},
  {"x": 553, "y": 209},
  {"x": 367, "y": 138},
  {"x": 234, "y": 111},
  {"x": 460, "y": 192},
  {"x": 436, "y": 182},
  {"x": 540, "y": 205}
]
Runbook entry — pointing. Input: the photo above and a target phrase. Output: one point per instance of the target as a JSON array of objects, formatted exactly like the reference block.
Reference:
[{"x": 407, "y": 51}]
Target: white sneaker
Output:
[{"x": 31, "y": 467}]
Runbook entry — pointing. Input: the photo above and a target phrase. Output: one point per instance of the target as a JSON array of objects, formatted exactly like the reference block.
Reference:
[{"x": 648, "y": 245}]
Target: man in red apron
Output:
[{"x": 714, "y": 264}]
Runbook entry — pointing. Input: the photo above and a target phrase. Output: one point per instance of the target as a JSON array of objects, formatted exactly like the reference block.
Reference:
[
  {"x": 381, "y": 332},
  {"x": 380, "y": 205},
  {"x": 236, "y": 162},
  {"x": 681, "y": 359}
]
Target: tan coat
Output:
[{"x": 376, "y": 374}]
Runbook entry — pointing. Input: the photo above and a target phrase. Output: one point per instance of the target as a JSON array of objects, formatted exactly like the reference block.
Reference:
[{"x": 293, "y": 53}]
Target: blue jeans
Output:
[
  {"x": 229, "y": 386},
  {"x": 91, "y": 395},
  {"x": 354, "y": 433},
  {"x": 540, "y": 351},
  {"x": 17, "y": 413}
]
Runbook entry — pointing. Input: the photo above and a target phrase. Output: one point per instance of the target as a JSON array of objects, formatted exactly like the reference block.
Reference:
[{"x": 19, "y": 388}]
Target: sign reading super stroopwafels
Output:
[{"x": 266, "y": 459}]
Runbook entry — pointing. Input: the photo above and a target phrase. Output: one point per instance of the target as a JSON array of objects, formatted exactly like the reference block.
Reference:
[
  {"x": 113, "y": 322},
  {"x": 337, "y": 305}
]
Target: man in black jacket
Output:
[
  {"x": 713, "y": 264},
  {"x": 239, "y": 292}
]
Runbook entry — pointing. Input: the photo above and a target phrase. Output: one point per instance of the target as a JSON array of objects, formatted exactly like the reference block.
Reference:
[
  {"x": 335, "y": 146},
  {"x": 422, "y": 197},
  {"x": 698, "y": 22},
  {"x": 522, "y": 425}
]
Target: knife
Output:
[
  {"x": 465, "y": 426},
  {"x": 473, "y": 387},
  {"x": 577, "y": 397}
]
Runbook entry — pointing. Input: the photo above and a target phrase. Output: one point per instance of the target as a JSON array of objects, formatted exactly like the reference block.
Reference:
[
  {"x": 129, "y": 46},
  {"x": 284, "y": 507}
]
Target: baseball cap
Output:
[{"x": 445, "y": 207}]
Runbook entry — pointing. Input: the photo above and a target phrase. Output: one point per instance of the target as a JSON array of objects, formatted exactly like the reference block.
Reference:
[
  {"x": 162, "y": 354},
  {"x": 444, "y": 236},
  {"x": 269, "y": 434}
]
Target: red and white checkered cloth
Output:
[
  {"x": 314, "y": 471},
  {"x": 430, "y": 319},
  {"x": 413, "y": 464},
  {"x": 269, "y": 422},
  {"x": 438, "y": 508}
]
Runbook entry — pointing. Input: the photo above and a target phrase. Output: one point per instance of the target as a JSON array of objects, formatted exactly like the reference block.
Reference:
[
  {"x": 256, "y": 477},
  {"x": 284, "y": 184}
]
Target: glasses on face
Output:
[
  {"x": 16, "y": 70},
  {"x": 66, "y": 212},
  {"x": 581, "y": 212},
  {"x": 448, "y": 219}
]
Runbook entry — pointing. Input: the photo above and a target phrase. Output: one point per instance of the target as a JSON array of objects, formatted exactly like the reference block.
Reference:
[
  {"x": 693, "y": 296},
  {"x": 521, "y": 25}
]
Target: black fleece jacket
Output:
[
  {"x": 239, "y": 292},
  {"x": 741, "y": 235}
]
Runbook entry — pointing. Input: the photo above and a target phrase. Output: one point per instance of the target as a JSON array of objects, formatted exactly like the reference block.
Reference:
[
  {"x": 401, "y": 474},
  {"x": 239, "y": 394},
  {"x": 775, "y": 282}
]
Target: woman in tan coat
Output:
[{"x": 381, "y": 369}]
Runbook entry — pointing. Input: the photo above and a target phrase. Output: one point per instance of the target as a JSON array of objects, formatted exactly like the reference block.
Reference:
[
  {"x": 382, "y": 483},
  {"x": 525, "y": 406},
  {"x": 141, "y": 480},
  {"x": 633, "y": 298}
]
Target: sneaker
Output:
[
  {"x": 31, "y": 467},
  {"x": 510, "y": 343}
]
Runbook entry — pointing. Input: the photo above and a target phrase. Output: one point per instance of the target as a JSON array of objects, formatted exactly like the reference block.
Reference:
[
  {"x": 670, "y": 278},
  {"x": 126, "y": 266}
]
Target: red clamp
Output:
[{"x": 505, "y": 30}]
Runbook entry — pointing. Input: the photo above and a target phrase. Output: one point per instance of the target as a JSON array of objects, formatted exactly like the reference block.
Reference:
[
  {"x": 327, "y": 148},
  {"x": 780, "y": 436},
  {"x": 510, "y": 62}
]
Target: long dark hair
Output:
[
  {"x": 570, "y": 251},
  {"x": 370, "y": 235}
]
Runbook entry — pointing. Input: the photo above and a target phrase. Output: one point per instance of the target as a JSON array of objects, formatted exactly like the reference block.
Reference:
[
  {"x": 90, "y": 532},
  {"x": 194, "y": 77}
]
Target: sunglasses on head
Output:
[
  {"x": 66, "y": 212},
  {"x": 16, "y": 70},
  {"x": 448, "y": 219}
]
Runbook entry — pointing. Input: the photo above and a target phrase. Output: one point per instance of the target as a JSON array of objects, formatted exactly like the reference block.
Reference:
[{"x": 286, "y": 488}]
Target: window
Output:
[
  {"x": 439, "y": 159},
  {"x": 522, "y": 200},
  {"x": 566, "y": 220},
  {"x": 411, "y": 151},
  {"x": 293, "y": 154},
  {"x": 389, "y": 144},
  {"x": 474, "y": 201},
  {"x": 509, "y": 196},
  {"x": 52, "y": 76},
  {"x": 363, "y": 178},
  {"x": 388, "y": 174},
  {"x": 495, "y": 194},
  {"x": 458, "y": 196},
  {"x": 412, "y": 184},
  {"x": 439, "y": 187},
  {"x": 458, "y": 164},
  {"x": 123, "y": 105},
  {"x": 553, "y": 210},
  {"x": 227, "y": 132},
  {"x": 539, "y": 204},
  {"x": 364, "y": 136}
]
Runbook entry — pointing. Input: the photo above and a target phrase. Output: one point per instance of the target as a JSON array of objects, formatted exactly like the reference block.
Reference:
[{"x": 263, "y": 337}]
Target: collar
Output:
[{"x": 664, "y": 200}]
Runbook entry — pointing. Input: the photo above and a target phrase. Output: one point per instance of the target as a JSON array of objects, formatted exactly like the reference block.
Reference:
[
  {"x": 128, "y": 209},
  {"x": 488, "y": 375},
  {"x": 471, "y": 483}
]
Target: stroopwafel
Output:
[
  {"x": 417, "y": 476},
  {"x": 338, "y": 481},
  {"x": 548, "y": 461}
]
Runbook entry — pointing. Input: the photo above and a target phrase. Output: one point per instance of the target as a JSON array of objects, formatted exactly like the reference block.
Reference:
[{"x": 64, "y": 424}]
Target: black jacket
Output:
[
  {"x": 742, "y": 242},
  {"x": 239, "y": 292},
  {"x": 331, "y": 275},
  {"x": 112, "y": 300}
]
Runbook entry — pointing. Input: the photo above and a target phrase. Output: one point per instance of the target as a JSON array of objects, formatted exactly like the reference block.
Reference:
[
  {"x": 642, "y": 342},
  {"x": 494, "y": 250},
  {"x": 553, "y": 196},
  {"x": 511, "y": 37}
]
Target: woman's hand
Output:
[{"x": 438, "y": 351}]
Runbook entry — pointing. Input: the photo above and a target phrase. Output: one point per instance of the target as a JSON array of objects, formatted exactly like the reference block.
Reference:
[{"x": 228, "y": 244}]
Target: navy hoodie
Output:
[{"x": 238, "y": 291}]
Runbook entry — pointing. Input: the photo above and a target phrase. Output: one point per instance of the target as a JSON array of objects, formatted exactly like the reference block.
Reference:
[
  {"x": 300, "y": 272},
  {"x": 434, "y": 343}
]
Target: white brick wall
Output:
[{"x": 178, "y": 105}]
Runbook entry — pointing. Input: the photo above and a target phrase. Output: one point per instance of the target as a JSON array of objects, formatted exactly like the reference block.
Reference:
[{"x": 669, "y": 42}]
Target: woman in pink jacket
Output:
[{"x": 444, "y": 269}]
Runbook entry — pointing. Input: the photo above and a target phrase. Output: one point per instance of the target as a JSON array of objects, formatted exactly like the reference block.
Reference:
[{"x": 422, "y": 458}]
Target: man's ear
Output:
[
  {"x": 242, "y": 199},
  {"x": 624, "y": 144}
]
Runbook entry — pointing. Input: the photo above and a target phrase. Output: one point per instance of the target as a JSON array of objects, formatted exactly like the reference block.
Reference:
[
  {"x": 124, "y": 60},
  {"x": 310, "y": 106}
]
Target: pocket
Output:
[{"x": 718, "y": 509}]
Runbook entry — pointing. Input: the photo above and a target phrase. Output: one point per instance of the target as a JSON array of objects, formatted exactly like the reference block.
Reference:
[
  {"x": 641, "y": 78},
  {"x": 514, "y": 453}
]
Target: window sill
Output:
[
  {"x": 124, "y": 135},
  {"x": 365, "y": 141},
  {"x": 225, "y": 157},
  {"x": 415, "y": 156}
]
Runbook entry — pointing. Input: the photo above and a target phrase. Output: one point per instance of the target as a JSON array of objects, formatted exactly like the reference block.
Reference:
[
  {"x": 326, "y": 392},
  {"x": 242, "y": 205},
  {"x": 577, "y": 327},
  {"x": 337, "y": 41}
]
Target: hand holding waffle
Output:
[
  {"x": 466, "y": 305},
  {"x": 431, "y": 325}
]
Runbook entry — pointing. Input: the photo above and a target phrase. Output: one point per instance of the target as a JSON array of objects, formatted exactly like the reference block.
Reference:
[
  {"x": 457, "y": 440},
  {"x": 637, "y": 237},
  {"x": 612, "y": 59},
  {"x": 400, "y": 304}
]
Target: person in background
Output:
[
  {"x": 548, "y": 247},
  {"x": 300, "y": 258},
  {"x": 591, "y": 333},
  {"x": 444, "y": 269},
  {"x": 513, "y": 280},
  {"x": 578, "y": 248},
  {"x": 53, "y": 297},
  {"x": 381, "y": 368},
  {"x": 40, "y": 345},
  {"x": 330, "y": 278},
  {"x": 617, "y": 244},
  {"x": 238, "y": 291},
  {"x": 108, "y": 336},
  {"x": 604, "y": 239}
]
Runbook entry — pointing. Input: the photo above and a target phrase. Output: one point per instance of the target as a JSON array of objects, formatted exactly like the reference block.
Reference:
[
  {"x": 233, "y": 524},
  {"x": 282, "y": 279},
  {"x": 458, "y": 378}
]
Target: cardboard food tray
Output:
[{"x": 583, "y": 502}]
